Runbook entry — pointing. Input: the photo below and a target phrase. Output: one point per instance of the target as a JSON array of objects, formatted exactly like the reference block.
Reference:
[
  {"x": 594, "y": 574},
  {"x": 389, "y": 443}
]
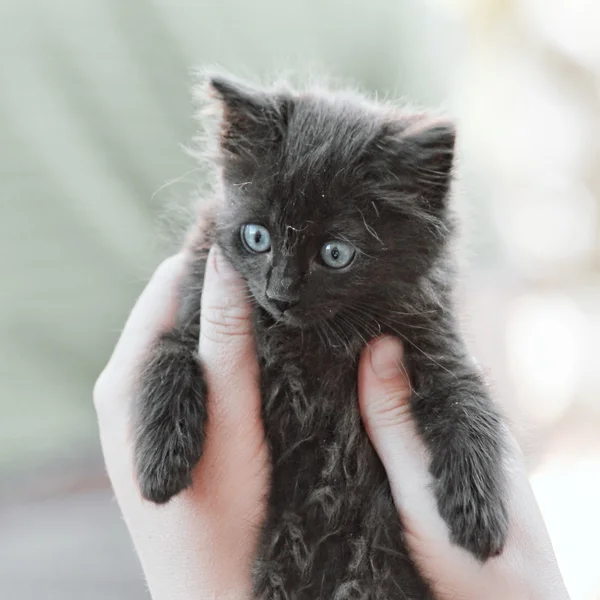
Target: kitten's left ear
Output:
[
  {"x": 422, "y": 155},
  {"x": 252, "y": 121}
]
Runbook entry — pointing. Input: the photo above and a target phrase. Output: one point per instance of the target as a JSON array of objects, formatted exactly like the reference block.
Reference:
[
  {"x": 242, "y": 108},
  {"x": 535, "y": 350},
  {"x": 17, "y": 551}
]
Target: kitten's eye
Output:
[
  {"x": 337, "y": 255},
  {"x": 256, "y": 238}
]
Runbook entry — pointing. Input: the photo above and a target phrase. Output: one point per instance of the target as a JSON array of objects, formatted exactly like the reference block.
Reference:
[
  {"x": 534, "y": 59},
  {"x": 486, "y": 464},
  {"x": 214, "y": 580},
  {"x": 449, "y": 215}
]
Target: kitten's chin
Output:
[
  {"x": 298, "y": 321},
  {"x": 288, "y": 318},
  {"x": 292, "y": 320}
]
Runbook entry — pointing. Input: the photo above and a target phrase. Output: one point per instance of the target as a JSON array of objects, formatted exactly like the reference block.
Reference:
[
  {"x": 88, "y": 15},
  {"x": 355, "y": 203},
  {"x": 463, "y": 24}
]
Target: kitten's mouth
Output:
[
  {"x": 291, "y": 317},
  {"x": 292, "y": 320},
  {"x": 294, "y": 317}
]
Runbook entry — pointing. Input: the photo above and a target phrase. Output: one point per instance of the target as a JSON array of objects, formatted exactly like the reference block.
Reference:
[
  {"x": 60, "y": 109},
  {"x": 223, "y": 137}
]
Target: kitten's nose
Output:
[{"x": 282, "y": 303}]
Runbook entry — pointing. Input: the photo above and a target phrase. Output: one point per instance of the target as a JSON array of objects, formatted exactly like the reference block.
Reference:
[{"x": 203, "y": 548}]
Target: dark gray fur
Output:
[{"x": 312, "y": 167}]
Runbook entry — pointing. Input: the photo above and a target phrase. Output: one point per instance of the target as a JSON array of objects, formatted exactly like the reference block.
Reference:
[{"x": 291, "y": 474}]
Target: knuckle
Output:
[
  {"x": 106, "y": 387},
  {"x": 228, "y": 320},
  {"x": 390, "y": 409},
  {"x": 111, "y": 400},
  {"x": 100, "y": 391},
  {"x": 170, "y": 265}
]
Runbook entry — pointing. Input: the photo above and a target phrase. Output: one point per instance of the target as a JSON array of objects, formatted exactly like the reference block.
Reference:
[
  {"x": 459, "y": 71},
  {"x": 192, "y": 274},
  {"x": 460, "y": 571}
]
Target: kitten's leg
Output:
[
  {"x": 170, "y": 409},
  {"x": 466, "y": 437}
]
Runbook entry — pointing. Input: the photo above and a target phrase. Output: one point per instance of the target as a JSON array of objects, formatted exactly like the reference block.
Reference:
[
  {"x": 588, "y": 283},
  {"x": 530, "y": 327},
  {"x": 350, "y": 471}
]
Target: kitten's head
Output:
[{"x": 331, "y": 203}]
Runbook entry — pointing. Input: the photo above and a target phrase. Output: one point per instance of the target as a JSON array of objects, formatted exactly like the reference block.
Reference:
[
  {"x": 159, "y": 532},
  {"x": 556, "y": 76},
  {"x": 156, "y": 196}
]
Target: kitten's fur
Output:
[{"x": 312, "y": 167}]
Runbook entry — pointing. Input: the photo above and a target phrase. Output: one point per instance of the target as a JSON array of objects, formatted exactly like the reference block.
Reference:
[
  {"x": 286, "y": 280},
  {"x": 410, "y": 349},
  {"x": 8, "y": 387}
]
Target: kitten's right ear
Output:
[
  {"x": 419, "y": 151},
  {"x": 252, "y": 119}
]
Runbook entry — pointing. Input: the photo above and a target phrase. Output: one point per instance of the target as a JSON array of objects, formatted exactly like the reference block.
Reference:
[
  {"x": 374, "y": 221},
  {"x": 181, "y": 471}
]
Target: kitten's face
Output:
[
  {"x": 320, "y": 216},
  {"x": 304, "y": 270}
]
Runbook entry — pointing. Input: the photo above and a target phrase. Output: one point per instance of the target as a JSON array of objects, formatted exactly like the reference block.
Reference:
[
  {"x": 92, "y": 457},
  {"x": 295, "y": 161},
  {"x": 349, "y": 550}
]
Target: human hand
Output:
[
  {"x": 527, "y": 567},
  {"x": 199, "y": 545}
]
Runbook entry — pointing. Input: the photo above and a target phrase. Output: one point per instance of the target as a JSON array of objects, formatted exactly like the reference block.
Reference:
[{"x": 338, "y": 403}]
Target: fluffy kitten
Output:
[{"x": 335, "y": 212}]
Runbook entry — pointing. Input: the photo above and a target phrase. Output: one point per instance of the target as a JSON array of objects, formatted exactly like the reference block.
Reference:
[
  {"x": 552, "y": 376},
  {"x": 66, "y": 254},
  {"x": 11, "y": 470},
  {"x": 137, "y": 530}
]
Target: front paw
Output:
[
  {"x": 164, "y": 461},
  {"x": 171, "y": 415},
  {"x": 470, "y": 492}
]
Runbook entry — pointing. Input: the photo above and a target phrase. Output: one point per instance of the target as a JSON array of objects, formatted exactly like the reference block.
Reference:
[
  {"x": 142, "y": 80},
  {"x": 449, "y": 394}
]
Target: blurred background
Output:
[{"x": 94, "y": 109}]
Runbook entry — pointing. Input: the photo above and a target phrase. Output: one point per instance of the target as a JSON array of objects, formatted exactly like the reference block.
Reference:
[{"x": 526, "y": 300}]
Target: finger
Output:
[
  {"x": 226, "y": 344},
  {"x": 228, "y": 355},
  {"x": 384, "y": 396},
  {"x": 152, "y": 313}
]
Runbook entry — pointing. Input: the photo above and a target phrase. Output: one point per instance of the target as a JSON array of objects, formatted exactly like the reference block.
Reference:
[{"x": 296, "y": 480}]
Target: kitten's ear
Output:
[
  {"x": 252, "y": 119},
  {"x": 422, "y": 156}
]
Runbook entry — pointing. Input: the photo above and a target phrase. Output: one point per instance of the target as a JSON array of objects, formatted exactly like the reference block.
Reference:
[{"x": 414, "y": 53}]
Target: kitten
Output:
[{"x": 335, "y": 212}]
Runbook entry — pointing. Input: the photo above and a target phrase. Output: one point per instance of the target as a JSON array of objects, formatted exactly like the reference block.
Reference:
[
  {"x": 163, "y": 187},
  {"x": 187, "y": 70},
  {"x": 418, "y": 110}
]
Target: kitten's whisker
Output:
[
  {"x": 386, "y": 318},
  {"x": 356, "y": 321},
  {"x": 402, "y": 366},
  {"x": 342, "y": 237},
  {"x": 348, "y": 341},
  {"x": 435, "y": 362},
  {"x": 171, "y": 182},
  {"x": 361, "y": 317},
  {"x": 331, "y": 325},
  {"x": 369, "y": 228},
  {"x": 334, "y": 334},
  {"x": 414, "y": 345},
  {"x": 318, "y": 332},
  {"x": 347, "y": 320},
  {"x": 369, "y": 306},
  {"x": 323, "y": 335}
]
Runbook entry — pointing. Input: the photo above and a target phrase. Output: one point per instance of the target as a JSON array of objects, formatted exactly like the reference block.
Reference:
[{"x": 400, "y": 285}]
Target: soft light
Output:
[
  {"x": 544, "y": 342},
  {"x": 569, "y": 496}
]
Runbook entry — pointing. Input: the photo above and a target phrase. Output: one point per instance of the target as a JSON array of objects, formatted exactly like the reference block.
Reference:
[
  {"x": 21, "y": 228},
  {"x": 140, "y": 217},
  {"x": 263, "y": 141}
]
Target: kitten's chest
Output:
[
  {"x": 309, "y": 401},
  {"x": 297, "y": 367}
]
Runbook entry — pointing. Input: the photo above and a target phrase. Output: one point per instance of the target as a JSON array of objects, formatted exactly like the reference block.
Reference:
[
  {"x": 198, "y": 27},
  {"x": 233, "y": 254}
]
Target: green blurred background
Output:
[{"x": 95, "y": 107}]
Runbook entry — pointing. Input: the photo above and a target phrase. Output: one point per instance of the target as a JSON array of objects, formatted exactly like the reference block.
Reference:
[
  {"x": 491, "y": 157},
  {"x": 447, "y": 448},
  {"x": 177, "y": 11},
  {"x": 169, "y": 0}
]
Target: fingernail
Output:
[
  {"x": 222, "y": 265},
  {"x": 386, "y": 358}
]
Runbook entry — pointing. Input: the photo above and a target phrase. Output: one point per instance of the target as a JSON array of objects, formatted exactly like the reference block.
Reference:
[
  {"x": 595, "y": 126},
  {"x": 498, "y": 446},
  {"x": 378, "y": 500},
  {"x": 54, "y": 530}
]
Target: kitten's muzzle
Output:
[{"x": 281, "y": 303}]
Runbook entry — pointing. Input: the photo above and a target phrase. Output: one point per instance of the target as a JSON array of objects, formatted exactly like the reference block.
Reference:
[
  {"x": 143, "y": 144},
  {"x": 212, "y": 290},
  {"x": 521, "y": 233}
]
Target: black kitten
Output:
[{"x": 335, "y": 211}]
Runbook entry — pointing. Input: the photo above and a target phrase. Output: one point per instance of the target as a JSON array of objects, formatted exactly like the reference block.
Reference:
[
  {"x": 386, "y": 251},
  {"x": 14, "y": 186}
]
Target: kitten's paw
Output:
[
  {"x": 171, "y": 415},
  {"x": 160, "y": 482},
  {"x": 164, "y": 464},
  {"x": 471, "y": 499}
]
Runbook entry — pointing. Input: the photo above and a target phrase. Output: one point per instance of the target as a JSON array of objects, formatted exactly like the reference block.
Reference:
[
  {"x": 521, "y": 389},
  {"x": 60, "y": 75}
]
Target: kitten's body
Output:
[{"x": 310, "y": 170}]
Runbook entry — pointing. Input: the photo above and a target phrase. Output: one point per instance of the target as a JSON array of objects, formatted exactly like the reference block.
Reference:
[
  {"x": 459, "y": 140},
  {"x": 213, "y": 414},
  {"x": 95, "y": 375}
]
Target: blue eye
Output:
[
  {"x": 337, "y": 255},
  {"x": 256, "y": 238}
]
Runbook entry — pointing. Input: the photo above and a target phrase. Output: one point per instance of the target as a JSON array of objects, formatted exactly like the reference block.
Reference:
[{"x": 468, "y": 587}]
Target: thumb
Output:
[
  {"x": 225, "y": 315},
  {"x": 226, "y": 345},
  {"x": 235, "y": 472},
  {"x": 384, "y": 389},
  {"x": 385, "y": 392}
]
